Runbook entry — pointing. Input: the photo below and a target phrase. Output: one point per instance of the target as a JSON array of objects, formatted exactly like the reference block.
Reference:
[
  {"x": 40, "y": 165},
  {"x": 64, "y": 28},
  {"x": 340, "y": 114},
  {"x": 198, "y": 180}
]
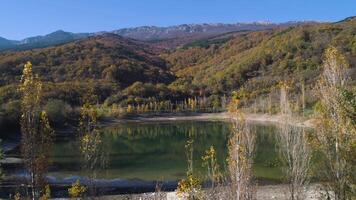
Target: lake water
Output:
[{"x": 155, "y": 151}]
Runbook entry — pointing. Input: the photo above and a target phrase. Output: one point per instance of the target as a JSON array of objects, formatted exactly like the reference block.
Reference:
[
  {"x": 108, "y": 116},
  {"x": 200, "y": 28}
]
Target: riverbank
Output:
[
  {"x": 268, "y": 192},
  {"x": 256, "y": 118}
]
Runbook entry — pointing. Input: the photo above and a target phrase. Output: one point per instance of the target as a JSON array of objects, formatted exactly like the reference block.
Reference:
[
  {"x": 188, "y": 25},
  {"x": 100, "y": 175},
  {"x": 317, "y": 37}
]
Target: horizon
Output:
[{"x": 42, "y": 17}]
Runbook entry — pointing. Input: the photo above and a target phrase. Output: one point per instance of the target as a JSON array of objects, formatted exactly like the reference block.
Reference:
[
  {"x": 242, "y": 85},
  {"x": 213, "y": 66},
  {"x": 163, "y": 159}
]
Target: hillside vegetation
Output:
[
  {"x": 125, "y": 72},
  {"x": 260, "y": 60}
]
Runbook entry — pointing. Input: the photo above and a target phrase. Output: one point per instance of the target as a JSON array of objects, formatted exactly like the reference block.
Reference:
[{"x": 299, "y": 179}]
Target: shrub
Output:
[
  {"x": 10, "y": 114},
  {"x": 77, "y": 190},
  {"x": 57, "y": 111}
]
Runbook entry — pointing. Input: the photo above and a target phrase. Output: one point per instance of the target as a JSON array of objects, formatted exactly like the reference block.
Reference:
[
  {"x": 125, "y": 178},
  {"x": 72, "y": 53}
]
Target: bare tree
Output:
[
  {"x": 336, "y": 131},
  {"x": 294, "y": 149},
  {"x": 240, "y": 161}
]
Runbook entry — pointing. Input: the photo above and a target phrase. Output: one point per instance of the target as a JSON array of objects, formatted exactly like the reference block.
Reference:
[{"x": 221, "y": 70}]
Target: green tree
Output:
[{"x": 36, "y": 132}]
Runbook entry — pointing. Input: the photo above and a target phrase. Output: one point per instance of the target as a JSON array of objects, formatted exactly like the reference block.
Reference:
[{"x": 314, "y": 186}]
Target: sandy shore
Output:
[
  {"x": 269, "y": 192},
  {"x": 257, "y": 118}
]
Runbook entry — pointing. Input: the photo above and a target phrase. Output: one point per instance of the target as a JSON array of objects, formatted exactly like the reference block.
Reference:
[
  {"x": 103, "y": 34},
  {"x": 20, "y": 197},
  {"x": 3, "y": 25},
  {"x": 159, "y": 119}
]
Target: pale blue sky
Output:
[{"x": 24, "y": 18}]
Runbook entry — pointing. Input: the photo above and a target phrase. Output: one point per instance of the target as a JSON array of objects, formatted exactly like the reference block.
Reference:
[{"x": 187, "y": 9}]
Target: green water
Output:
[{"x": 155, "y": 151}]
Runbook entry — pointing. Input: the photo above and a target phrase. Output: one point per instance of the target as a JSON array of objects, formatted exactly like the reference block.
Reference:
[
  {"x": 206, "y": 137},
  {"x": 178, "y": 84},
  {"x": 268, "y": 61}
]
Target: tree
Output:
[
  {"x": 294, "y": 149},
  {"x": 240, "y": 161},
  {"x": 189, "y": 188},
  {"x": 36, "y": 132},
  {"x": 90, "y": 142},
  {"x": 336, "y": 131},
  {"x": 214, "y": 175}
]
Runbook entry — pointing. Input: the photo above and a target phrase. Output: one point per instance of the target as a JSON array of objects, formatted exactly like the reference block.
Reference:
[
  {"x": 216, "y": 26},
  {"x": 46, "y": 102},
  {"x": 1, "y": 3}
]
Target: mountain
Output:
[
  {"x": 6, "y": 44},
  {"x": 149, "y": 33},
  {"x": 55, "y": 38},
  {"x": 164, "y": 37},
  {"x": 175, "y": 36}
]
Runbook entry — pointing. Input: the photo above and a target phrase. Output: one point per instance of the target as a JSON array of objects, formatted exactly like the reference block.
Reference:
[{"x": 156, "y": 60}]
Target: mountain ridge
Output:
[{"x": 144, "y": 33}]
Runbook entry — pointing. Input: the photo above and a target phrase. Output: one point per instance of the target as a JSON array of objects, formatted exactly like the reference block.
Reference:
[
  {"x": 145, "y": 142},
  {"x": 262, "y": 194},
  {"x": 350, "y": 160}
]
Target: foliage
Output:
[
  {"x": 108, "y": 57},
  {"x": 57, "y": 110},
  {"x": 189, "y": 188},
  {"x": 240, "y": 160},
  {"x": 17, "y": 196},
  {"x": 36, "y": 132},
  {"x": 336, "y": 130},
  {"x": 47, "y": 193},
  {"x": 91, "y": 146},
  {"x": 126, "y": 72},
  {"x": 258, "y": 61},
  {"x": 11, "y": 112},
  {"x": 211, "y": 163},
  {"x": 76, "y": 190}
]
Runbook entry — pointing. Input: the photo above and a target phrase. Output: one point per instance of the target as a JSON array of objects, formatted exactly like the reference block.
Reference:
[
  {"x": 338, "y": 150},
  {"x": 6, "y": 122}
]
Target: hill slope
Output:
[
  {"x": 108, "y": 57},
  {"x": 259, "y": 60}
]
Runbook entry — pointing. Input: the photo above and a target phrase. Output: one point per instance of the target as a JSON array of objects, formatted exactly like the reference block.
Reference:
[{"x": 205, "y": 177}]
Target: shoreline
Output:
[
  {"x": 275, "y": 192},
  {"x": 222, "y": 116}
]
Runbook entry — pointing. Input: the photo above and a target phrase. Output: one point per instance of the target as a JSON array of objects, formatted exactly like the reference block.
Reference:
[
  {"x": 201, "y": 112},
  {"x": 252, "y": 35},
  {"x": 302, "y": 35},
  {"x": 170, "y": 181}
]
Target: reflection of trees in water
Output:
[
  {"x": 162, "y": 140},
  {"x": 167, "y": 129},
  {"x": 148, "y": 146},
  {"x": 160, "y": 136}
]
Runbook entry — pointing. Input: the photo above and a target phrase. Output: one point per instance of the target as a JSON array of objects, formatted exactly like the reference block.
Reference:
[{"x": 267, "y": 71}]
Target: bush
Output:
[
  {"x": 57, "y": 111},
  {"x": 10, "y": 115}
]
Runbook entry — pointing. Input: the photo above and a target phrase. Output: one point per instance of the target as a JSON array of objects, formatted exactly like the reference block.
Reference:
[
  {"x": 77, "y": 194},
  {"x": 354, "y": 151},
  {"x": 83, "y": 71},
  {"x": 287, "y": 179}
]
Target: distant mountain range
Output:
[
  {"x": 144, "y": 33},
  {"x": 55, "y": 38},
  {"x": 149, "y": 33}
]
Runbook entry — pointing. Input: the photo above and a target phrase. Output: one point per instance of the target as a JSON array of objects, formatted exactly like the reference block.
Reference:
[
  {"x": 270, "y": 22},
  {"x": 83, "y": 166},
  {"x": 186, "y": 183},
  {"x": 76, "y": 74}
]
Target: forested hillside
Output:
[
  {"x": 129, "y": 72},
  {"x": 261, "y": 59}
]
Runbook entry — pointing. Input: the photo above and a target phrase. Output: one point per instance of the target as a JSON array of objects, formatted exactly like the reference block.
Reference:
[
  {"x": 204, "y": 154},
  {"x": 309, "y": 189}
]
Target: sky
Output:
[{"x": 24, "y": 18}]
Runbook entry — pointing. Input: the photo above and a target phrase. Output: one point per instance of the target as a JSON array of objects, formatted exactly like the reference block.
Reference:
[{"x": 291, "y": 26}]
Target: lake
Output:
[{"x": 155, "y": 151}]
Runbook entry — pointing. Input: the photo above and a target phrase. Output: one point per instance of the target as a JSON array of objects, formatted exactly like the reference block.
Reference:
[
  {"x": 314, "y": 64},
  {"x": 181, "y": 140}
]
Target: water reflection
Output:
[{"x": 155, "y": 151}]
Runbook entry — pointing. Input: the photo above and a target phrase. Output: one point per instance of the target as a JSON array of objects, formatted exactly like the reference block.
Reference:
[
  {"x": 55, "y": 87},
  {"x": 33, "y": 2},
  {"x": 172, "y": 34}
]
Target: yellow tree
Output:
[
  {"x": 240, "y": 160},
  {"x": 241, "y": 149},
  {"x": 90, "y": 140},
  {"x": 336, "y": 130},
  {"x": 36, "y": 132},
  {"x": 190, "y": 187}
]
